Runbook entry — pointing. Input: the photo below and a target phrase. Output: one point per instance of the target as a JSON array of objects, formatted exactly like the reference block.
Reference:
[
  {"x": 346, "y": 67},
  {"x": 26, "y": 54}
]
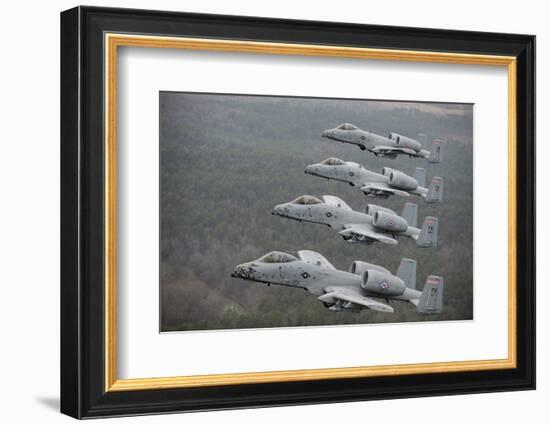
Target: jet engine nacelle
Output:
[
  {"x": 372, "y": 209},
  {"x": 400, "y": 180},
  {"x": 389, "y": 222},
  {"x": 386, "y": 171},
  {"x": 405, "y": 141},
  {"x": 360, "y": 267},
  {"x": 382, "y": 283}
]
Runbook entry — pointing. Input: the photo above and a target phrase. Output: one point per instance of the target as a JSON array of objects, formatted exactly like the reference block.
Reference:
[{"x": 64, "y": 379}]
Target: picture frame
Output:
[{"x": 90, "y": 40}]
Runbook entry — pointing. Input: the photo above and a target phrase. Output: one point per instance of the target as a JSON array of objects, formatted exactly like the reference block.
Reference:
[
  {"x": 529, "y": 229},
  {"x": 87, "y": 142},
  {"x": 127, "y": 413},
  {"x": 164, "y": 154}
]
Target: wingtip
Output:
[
  {"x": 386, "y": 309},
  {"x": 390, "y": 241}
]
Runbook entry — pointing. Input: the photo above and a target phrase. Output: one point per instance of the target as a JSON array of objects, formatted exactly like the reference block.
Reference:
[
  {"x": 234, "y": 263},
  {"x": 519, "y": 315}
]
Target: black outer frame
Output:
[{"x": 82, "y": 219}]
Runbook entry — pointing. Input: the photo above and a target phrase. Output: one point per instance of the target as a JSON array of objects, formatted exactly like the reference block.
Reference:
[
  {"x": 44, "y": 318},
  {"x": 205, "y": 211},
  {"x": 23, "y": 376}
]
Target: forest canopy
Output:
[{"x": 226, "y": 160}]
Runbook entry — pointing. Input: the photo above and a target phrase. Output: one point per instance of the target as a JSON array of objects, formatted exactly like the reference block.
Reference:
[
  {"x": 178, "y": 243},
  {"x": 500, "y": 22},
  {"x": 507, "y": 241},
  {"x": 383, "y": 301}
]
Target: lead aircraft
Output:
[{"x": 364, "y": 286}]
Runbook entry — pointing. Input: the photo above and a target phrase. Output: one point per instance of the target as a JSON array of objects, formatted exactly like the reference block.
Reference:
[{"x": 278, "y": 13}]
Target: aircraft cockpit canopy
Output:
[
  {"x": 307, "y": 200},
  {"x": 346, "y": 126},
  {"x": 277, "y": 257},
  {"x": 333, "y": 161}
]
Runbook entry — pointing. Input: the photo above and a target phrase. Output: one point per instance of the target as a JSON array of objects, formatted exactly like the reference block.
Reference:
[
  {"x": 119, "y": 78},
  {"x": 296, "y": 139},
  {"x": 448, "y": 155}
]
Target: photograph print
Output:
[{"x": 302, "y": 211}]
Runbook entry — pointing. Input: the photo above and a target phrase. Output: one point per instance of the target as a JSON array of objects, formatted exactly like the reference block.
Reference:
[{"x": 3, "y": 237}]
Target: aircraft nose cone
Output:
[
  {"x": 309, "y": 169},
  {"x": 235, "y": 272},
  {"x": 242, "y": 271},
  {"x": 277, "y": 210}
]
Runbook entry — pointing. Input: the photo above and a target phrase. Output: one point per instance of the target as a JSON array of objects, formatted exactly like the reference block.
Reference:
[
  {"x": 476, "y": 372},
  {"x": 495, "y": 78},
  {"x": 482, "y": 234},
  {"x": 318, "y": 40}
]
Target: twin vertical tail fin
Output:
[
  {"x": 435, "y": 191},
  {"x": 431, "y": 300},
  {"x": 407, "y": 272},
  {"x": 420, "y": 176},
  {"x": 422, "y": 139},
  {"x": 436, "y": 152},
  {"x": 428, "y": 235},
  {"x": 410, "y": 213}
]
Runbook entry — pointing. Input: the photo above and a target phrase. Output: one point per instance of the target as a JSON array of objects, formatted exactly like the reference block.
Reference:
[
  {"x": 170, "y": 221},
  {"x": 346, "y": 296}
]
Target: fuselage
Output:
[
  {"x": 323, "y": 213},
  {"x": 335, "y": 217},
  {"x": 313, "y": 278},
  {"x": 298, "y": 274},
  {"x": 357, "y": 137},
  {"x": 357, "y": 175},
  {"x": 349, "y": 172},
  {"x": 348, "y": 133}
]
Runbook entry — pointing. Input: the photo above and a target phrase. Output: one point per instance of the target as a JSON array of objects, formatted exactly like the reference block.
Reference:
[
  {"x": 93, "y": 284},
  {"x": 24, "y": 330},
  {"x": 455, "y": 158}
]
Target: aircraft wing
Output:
[
  {"x": 393, "y": 149},
  {"x": 352, "y": 296},
  {"x": 336, "y": 201},
  {"x": 377, "y": 187},
  {"x": 315, "y": 258},
  {"x": 366, "y": 231}
]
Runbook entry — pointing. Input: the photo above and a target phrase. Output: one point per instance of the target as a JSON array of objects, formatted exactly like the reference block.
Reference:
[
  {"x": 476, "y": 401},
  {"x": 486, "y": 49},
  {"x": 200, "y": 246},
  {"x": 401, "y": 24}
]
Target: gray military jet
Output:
[
  {"x": 389, "y": 147},
  {"x": 363, "y": 287},
  {"x": 390, "y": 182},
  {"x": 377, "y": 224}
]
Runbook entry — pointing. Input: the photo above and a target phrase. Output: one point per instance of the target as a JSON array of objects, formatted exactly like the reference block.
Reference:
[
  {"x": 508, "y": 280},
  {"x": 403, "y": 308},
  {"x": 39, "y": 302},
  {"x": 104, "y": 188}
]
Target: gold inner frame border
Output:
[{"x": 113, "y": 40}]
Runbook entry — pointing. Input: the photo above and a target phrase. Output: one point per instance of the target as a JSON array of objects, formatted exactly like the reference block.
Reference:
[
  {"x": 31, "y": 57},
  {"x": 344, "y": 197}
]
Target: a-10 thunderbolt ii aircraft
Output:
[
  {"x": 377, "y": 224},
  {"x": 390, "y": 182},
  {"x": 363, "y": 287},
  {"x": 389, "y": 147}
]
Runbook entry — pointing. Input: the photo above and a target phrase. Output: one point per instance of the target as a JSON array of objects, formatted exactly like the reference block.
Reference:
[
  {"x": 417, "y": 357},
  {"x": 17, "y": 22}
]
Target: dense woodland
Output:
[{"x": 227, "y": 160}]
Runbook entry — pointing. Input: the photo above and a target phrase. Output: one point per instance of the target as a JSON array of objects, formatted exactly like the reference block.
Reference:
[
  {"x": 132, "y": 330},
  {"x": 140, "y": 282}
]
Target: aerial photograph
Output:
[{"x": 303, "y": 211}]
